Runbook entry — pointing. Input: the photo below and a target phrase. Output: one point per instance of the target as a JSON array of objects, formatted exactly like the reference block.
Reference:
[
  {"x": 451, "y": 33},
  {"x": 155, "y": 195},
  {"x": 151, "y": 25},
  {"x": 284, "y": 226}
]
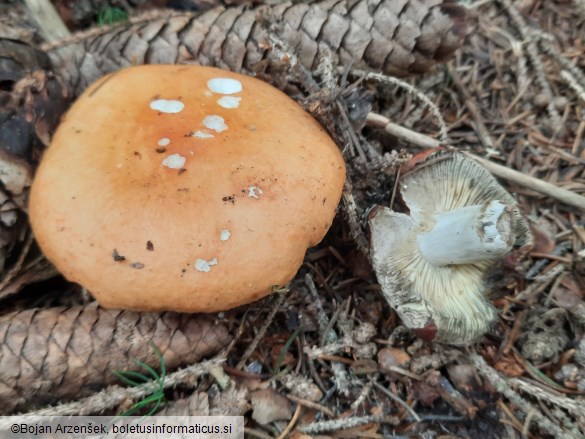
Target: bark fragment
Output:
[
  {"x": 55, "y": 354},
  {"x": 400, "y": 37}
]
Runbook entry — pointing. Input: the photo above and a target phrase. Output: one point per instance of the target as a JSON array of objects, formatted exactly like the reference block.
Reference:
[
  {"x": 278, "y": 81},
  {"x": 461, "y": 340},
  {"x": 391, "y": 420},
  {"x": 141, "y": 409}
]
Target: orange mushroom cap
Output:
[{"x": 184, "y": 188}]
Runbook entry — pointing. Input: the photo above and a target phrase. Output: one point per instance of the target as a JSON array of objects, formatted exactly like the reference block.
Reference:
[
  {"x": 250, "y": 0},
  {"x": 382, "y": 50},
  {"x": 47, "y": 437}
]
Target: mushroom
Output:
[
  {"x": 157, "y": 193},
  {"x": 432, "y": 263}
]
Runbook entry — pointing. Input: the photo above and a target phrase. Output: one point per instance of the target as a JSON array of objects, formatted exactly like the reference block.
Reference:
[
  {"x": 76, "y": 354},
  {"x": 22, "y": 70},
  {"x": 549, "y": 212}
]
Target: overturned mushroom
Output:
[
  {"x": 157, "y": 195},
  {"x": 432, "y": 263}
]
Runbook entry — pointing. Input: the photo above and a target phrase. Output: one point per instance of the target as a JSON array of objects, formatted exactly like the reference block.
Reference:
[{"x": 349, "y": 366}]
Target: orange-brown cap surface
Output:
[{"x": 184, "y": 188}]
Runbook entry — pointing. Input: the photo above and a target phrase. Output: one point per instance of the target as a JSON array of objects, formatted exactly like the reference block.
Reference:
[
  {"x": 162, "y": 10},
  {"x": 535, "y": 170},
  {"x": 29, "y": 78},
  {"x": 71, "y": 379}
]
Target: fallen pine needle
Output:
[
  {"x": 311, "y": 405},
  {"x": 292, "y": 423}
]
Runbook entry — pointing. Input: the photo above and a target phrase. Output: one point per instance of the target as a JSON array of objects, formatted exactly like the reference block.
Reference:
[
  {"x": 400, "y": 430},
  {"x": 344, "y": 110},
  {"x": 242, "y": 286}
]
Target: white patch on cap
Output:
[
  {"x": 165, "y": 141},
  {"x": 229, "y": 102},
  {"x": 174, "y": 161},
  {"x": 224, "y": 86},
  {"x": 254, "y": 192},
  {"x": 204, "y": 266},
  {"x": 215, "y": 123},
  {"x": 202, "y": 135},
  {"x": 167, "y": 106},
  {"x": 224, "y": 235}
]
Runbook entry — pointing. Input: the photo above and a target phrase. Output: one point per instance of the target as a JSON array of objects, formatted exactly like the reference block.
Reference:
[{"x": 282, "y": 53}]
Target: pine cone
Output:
[
  {"x": 400, "y": 37},
  {"x": 54, "y": 354}
]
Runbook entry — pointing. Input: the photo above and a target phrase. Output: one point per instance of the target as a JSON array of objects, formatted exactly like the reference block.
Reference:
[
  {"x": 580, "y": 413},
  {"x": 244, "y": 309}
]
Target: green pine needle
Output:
[
  {"x": 285, "y": 349},
  {"x": 135, "y": 379},
  {"x": 108, "y": 15}
]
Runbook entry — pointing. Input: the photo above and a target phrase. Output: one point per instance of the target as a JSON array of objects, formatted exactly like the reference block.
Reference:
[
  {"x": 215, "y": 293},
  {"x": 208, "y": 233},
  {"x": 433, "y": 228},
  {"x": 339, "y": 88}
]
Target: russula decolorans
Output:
[
  {"x": 432, "y": 263},
  {"x": 184, "y": 188}
]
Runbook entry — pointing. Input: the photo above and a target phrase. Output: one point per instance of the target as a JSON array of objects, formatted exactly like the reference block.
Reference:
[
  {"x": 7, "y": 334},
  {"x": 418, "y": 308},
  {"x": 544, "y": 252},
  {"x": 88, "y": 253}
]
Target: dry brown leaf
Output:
[
  {"x": 269, "y": 406},
  {"x": 425, "y": 393},
  {"x": 232, "y": 401},
  {"x": 393, "y": 357}
]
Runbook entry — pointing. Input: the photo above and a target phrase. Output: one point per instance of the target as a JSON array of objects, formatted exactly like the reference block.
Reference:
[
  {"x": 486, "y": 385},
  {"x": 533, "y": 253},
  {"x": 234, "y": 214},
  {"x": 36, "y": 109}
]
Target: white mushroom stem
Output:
[{"x": 469, "y": 234}]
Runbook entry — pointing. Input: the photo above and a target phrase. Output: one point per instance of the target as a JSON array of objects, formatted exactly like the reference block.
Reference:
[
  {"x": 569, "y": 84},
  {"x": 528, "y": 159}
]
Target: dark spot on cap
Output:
[
  {"x": 229, "y": 199},
  {"x": 137, "y": 154},
  {"x": 149, "y": 246},
  {"x": 182, "y": 171},
  {"x": 117, "y": 256},
  {"x": 161, "y": 149},
  {"x": 137, "y": 265}
]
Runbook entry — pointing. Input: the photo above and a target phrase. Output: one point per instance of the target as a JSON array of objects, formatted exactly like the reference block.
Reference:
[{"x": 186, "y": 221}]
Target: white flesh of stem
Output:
[{"x": 468, "y": 235}]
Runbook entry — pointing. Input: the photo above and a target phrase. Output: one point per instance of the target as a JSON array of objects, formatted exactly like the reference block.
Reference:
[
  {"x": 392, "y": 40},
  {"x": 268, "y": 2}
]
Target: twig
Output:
[
  {"x": 341, "y": 378},
  {"x": 323, "y": 351},
  {"x": 350, "y": 208},
  {"x": 362, "y": 396},
  {"x": 576, "y": 408},
  {"x": 502, "y": 386},
  {"x": 546, "y": 43},
  {"x": 322, "y": 318},
  {"x": 543, "y": 187},
  {"x": 396, "y": 399},
  {"x": 559, "y": 250},
  {"x": 482, "y": 131},
  {"x": 378, "y": 121},
  {"x": 311, "y": 405},
  {"x": 535, "y": 60},
  {"x": 260, "y": 335},
  {"x": 115, "y": 395},
  {"x": 540, "y": 283},
  {"x": 292, "y": 423},
  {"x": 343, "y": 423},
  {"x": 574, "y": 84},
  {"x": 329, "y": 335},
  {"x": 527, "y": 421},
  {"x": 513, "y": 420},
  {"x": 444, "y": 136}
]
